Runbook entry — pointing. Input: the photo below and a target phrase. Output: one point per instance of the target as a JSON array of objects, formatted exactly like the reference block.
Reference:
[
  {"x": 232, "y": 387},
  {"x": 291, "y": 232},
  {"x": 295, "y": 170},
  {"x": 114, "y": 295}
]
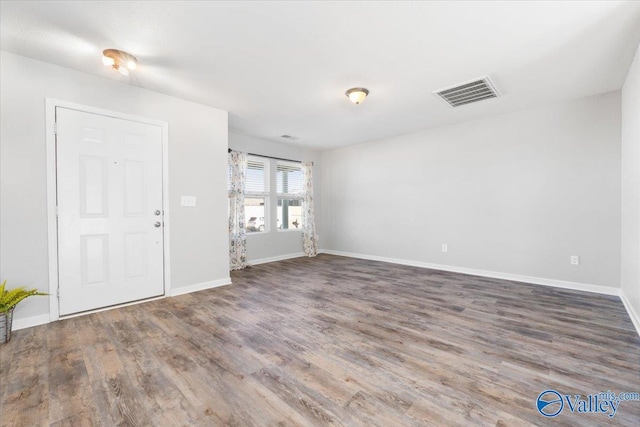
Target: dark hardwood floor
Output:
[{"x": 327, "y": 341}]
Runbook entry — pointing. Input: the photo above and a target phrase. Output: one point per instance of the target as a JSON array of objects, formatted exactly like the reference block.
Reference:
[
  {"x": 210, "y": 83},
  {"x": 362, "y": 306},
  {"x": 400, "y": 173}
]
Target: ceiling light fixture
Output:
[
  {"x": 357, "y": 94},
  {"x": 119, "y": 60}
]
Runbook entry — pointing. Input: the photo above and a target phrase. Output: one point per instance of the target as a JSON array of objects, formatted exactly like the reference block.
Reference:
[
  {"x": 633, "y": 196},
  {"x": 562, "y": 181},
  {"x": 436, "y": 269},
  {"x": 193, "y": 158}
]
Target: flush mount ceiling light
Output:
[
  {"x": 357, "y": 94},
  {"x": 119, "y": 60}
]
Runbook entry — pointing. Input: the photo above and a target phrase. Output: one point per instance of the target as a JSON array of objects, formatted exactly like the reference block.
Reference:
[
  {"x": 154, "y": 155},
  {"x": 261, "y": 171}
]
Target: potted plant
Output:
[{"x": 8, "y": 301}]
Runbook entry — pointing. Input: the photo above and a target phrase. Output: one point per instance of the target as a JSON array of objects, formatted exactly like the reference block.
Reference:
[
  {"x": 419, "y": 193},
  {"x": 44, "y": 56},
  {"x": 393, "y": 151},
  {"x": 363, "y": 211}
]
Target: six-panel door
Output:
[{"x": 110, "y": 230}]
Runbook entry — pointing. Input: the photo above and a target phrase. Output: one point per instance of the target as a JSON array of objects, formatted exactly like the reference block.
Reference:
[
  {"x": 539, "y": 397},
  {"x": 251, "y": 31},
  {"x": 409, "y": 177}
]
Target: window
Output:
[
  {"x": 256, "y": 195},
  {"x": 289, "y": 188},
  {"x": 260, "y": 189}
]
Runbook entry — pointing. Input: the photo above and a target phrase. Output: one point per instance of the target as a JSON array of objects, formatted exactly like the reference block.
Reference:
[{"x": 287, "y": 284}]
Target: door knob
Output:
[{"x": 157, "y": 224}]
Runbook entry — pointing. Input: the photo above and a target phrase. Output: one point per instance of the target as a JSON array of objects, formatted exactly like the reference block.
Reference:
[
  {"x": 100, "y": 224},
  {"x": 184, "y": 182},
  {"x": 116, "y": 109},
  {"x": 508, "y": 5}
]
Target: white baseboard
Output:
[
  {"x": 200, "y": 286},
  {"x": 44, "y": 318},
  {"x": 484, "y": 273},
  {"x": 635, "y": 319},
  {"x": 275, "y": 258},
  {"x": 28, "y": 322}
]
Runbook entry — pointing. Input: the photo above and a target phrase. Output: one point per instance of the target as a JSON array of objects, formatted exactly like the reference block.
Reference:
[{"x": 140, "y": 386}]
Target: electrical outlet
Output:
[
  {"x": 575, "y": 260},
  {"x": 188, "y": 201},
  {"x": 445, "y": 248}
]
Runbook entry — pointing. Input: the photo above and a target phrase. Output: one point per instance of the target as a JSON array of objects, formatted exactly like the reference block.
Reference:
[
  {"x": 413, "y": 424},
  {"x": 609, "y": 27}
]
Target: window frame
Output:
[
  {"x": 260, "y": 194},
  {"x": 288, "y": 196}
]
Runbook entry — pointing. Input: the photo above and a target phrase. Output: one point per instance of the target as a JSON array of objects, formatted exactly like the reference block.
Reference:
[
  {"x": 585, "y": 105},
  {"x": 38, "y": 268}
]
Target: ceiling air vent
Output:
[{"x": 473, "y": 91}]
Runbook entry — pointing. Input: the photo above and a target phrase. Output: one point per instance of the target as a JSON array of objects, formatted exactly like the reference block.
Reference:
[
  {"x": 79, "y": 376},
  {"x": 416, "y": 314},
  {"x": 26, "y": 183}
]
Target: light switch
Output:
[{"x": 188, "y": 201}]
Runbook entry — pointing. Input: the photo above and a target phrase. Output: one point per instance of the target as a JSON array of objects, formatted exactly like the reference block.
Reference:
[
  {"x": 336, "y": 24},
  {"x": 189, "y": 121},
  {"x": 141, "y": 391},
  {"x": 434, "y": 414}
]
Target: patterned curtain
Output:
[
  {"x": 237, "y": 232},
  {"x": 309, "y": 236}
]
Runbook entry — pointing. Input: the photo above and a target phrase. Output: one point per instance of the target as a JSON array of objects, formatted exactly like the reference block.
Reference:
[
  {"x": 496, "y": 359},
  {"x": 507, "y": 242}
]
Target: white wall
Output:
[
  {"x": 631, "y": 191},
  {"x": 517, "y": 193},
  {"x": 278, "y": 244},
  {"x": 197, "y": 167}
]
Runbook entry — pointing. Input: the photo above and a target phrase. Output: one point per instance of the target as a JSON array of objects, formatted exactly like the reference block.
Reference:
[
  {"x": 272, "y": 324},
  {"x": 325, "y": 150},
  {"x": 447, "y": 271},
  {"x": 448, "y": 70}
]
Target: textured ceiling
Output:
[{"x": 283, "y": 67}]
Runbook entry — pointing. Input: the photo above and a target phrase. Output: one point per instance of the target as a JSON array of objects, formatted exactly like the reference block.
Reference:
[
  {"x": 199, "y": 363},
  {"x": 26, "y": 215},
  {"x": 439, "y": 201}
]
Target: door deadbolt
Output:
[{"x": 157, "y": 212}]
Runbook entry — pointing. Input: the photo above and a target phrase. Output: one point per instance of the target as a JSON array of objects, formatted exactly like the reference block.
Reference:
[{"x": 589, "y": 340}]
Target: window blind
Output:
[
  {"x": 289, "y": 178},
  {"x": 256, "y": 177}
]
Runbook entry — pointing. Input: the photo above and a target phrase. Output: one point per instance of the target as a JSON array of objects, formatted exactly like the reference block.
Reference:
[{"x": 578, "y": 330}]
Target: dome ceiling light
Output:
[
  {"x": 357, "y": 94},
  {"x": 119, "y": 60}
]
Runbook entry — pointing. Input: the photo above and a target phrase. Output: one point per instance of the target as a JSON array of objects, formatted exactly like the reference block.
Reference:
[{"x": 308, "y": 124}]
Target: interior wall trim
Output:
[
  {"x": 28, "y": 322},
  {"x": 606, "y": 290},
  {"x": 275, "y": 258},
  {"x": 200, "y": 286},
  {"x": 635, "y": 318}
]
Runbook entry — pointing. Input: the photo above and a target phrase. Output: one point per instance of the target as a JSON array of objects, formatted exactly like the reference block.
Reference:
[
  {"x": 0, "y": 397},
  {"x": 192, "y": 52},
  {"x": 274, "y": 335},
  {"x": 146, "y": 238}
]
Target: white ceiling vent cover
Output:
[{"x": 472, "y": 91}]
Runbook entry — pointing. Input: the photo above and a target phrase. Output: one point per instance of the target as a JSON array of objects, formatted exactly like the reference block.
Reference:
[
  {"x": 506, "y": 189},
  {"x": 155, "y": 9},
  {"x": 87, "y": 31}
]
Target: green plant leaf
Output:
[{"x": 10, "y": 298}]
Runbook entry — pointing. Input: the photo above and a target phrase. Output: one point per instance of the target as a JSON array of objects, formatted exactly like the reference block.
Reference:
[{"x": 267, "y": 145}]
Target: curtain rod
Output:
[{"x": 270, "y": 157}]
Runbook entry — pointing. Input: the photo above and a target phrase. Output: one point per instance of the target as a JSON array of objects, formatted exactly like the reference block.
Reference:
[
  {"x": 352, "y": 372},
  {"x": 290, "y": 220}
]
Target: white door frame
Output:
[{"x": 50, "y": 120}]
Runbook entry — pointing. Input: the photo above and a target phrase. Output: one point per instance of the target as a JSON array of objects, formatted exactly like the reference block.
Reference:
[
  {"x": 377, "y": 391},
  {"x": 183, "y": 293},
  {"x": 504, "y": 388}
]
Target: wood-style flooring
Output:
[{"x": 327, "y": 341}]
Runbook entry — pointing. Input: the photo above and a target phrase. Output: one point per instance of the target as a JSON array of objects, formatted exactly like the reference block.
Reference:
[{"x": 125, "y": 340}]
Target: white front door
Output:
[{"x": 110, "y": 219}]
